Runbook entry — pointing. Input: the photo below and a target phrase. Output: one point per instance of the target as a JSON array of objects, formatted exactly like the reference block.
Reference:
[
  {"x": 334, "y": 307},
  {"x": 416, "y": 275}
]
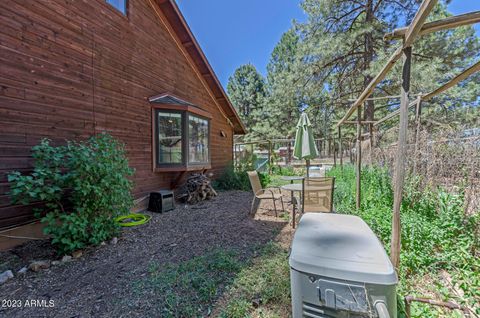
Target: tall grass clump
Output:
[{"x": 438, "y": 239}]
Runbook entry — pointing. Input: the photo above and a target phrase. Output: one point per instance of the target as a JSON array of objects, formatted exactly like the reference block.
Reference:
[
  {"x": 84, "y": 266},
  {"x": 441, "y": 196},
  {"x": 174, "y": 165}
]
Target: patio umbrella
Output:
[{"x": 305, "y": 147}]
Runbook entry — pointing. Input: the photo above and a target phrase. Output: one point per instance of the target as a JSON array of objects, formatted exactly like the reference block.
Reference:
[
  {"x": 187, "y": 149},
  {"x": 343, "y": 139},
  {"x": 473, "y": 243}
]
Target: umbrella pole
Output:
[{"x": 308, "y": 166}]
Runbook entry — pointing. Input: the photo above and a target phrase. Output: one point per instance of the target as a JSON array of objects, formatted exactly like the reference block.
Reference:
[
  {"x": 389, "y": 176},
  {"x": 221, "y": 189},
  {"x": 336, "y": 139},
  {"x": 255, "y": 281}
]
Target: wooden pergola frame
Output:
[{"x": 408, "y": 35}]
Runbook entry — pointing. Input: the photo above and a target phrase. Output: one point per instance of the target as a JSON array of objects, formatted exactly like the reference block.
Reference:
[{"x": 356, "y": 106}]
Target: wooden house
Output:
[{"x": 73, "y": 68}]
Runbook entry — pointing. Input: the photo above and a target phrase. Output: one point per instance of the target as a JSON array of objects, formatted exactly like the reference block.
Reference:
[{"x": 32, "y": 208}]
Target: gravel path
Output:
[{"x": 99, "y": 283}]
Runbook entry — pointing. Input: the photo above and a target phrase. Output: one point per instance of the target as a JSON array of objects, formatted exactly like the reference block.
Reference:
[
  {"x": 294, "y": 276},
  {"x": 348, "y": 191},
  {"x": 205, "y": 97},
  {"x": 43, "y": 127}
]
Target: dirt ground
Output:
[{"x": 99, "y": 283}]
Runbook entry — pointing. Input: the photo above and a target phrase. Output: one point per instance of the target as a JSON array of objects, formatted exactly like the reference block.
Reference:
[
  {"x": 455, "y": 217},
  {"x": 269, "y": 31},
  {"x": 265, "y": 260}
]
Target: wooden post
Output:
[
  {"x": 370, "y": 130},
  {"x": 289, "y": 152},
  {"x": 418, "y": 115},
  {"x": 399, "y": 176},
  {"x": 340, "y": 150},
  {"x": 330, "y": 146},
  {"x": 350, "y": 146},
  {"x": 359, "y": 158},
  {"x": 237, "y": 153},
  {"x": 270, "y": 164},
  {"x": 334, "y": 152}
]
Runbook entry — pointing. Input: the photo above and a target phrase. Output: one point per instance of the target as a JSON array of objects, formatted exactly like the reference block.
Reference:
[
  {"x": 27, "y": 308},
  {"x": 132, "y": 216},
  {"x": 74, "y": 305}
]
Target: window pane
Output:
[
  {"x": 169, "y": 138},
  {"x": 198, "y": 139},
  {"x": 120, "y": 5}
]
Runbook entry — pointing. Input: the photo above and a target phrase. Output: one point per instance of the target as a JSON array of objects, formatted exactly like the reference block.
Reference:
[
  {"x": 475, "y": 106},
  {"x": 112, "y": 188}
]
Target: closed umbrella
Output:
[{"x": 305, "y": 147}]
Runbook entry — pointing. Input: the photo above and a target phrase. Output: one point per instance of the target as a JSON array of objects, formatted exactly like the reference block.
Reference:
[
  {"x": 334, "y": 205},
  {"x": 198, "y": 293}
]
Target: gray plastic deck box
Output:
[{"x": 339, "y": 268}]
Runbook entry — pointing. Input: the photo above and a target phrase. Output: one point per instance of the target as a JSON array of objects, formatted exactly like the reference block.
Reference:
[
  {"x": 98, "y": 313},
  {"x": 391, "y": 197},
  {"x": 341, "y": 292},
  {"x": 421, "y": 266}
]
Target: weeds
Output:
[{"x": 436, "y": 235}]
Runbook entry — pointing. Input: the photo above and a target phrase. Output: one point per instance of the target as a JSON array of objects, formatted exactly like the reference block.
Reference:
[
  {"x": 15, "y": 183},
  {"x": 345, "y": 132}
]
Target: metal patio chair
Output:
[
  {"x": 317, "y": 194},
  {"x": 260, "y": 193}
]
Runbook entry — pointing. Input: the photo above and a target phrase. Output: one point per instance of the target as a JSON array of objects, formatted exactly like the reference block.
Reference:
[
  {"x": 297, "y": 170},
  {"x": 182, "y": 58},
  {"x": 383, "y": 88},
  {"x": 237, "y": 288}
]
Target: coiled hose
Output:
[{"x": 133, "y": 219}]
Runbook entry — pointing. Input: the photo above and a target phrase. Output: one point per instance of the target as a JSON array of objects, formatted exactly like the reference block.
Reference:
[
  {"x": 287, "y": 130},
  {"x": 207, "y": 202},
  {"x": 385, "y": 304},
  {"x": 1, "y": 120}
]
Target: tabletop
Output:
[
  {"x": 298, "y": 187},
  {"x": 291, "y": 178},
  {"x": 292, "y": 187}
]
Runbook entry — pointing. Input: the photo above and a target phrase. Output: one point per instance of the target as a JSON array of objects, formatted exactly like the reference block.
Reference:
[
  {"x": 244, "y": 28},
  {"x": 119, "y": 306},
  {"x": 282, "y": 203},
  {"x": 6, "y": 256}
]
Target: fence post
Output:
[
  {"x": 340, "y": 150},
  {"x": 270, "y": 157},
  {"x": 399, "y": 177},
  {"x": 289, "y": 152},
  {"x": 334, "y": 144},
  {"x": 235, "y": 156},
  {"x": 359, "y": 158},
  {"x": 350, "y": 154}
]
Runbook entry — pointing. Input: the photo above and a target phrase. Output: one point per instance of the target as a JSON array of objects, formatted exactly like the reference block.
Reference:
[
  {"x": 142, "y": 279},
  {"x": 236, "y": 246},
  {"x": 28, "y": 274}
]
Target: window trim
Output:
[{"x": 185, "y": 165}]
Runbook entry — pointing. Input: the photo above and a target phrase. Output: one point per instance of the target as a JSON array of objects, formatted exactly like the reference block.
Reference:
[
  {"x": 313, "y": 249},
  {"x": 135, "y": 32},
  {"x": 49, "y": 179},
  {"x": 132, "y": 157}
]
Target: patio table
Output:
[
  {"x": 291, "y": 178},
  {"x": 293, "y": 187}
]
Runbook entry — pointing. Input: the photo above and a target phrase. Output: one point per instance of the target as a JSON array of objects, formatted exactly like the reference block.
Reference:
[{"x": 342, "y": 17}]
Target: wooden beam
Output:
[
  {"x": 378, "y": 98},
  {"x": 457, "y": 79},
  {"x": 443, "y": 24},
  {"x": 414, "y": 29},
  {"x": 362, "y": 122},
  {"x": 371, "y": 86},
  {"x": 394, "y": 113},
  {"x": 400, "y": 159}
]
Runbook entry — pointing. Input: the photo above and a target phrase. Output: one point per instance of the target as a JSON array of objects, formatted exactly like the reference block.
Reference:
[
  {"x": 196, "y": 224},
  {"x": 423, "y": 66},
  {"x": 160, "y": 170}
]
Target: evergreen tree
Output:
[
  {"x": 284, "y": 98},
  {"x": 246, "y": 90}
]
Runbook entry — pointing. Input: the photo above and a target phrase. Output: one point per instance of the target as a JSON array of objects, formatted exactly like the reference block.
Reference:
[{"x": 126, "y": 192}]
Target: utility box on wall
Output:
[
  {"x": 161, "y": 201},
  {"x": 339, "y": 268}
]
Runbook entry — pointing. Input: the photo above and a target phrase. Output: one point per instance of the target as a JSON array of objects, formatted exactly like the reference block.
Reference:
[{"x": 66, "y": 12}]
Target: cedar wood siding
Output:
[{"x": 72, "y": 68}]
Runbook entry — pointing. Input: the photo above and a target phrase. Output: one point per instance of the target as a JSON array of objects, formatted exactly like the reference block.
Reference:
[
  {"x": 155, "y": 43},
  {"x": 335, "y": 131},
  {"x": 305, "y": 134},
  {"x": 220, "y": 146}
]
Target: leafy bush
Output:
[
  {"x": 284, "y": 171},
  {"x": 436, "y": 234},
  {"x": 83, "y": 186},
  {"x": 237, "y": 179}
]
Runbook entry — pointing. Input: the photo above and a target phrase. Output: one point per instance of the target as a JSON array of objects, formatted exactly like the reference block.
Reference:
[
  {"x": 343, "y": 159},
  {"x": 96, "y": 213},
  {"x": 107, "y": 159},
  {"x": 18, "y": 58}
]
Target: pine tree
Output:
[
  {"x": 284, "y": 100},
  {"x": 246, "y": 90}
]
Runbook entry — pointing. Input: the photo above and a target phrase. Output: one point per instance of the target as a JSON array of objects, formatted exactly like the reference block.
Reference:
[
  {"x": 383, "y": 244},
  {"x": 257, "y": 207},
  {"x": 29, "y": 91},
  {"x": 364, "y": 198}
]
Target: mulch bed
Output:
[{"x": 99, "y": 283}]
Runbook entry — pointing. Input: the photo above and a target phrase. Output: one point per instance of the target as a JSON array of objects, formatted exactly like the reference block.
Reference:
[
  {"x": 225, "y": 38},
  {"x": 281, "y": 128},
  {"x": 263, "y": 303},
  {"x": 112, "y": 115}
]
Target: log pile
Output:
[{"x": 196, "y": 188}]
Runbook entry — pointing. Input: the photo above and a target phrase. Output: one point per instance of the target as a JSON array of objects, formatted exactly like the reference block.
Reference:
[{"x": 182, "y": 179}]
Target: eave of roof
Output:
[{"x": 186, "y": 38}]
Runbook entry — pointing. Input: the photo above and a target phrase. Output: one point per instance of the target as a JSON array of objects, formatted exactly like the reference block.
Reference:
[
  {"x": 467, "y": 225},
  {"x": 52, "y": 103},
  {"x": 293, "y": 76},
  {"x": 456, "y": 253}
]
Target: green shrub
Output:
[
  {"x": 83, "y": 185},
  {"x": 236, "y": 179},
  {"x": 284, "y": 171}
]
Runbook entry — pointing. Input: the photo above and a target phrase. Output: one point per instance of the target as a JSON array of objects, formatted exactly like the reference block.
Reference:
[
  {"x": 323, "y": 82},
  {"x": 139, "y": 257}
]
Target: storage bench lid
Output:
[{"x": 341, "y": 247}]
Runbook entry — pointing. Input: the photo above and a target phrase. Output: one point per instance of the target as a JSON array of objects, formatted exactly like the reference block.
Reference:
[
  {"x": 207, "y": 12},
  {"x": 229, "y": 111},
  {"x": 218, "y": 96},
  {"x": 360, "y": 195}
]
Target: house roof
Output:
[{"x": 190, "y": 45}]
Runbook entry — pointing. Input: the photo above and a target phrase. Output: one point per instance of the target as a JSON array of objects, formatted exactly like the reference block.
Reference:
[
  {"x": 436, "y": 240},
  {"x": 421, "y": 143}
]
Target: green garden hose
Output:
[{"x": 133, "y": 219}]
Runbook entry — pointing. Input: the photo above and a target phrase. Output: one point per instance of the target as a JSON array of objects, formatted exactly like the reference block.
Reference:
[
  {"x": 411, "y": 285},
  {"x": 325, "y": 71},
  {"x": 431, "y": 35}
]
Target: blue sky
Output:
[{"x": 236, "y": 32}]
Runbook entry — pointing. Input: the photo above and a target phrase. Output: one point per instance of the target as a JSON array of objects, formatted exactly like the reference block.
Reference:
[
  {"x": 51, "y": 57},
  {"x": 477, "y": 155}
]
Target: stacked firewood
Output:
[{"x": 196, "y": 188}]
